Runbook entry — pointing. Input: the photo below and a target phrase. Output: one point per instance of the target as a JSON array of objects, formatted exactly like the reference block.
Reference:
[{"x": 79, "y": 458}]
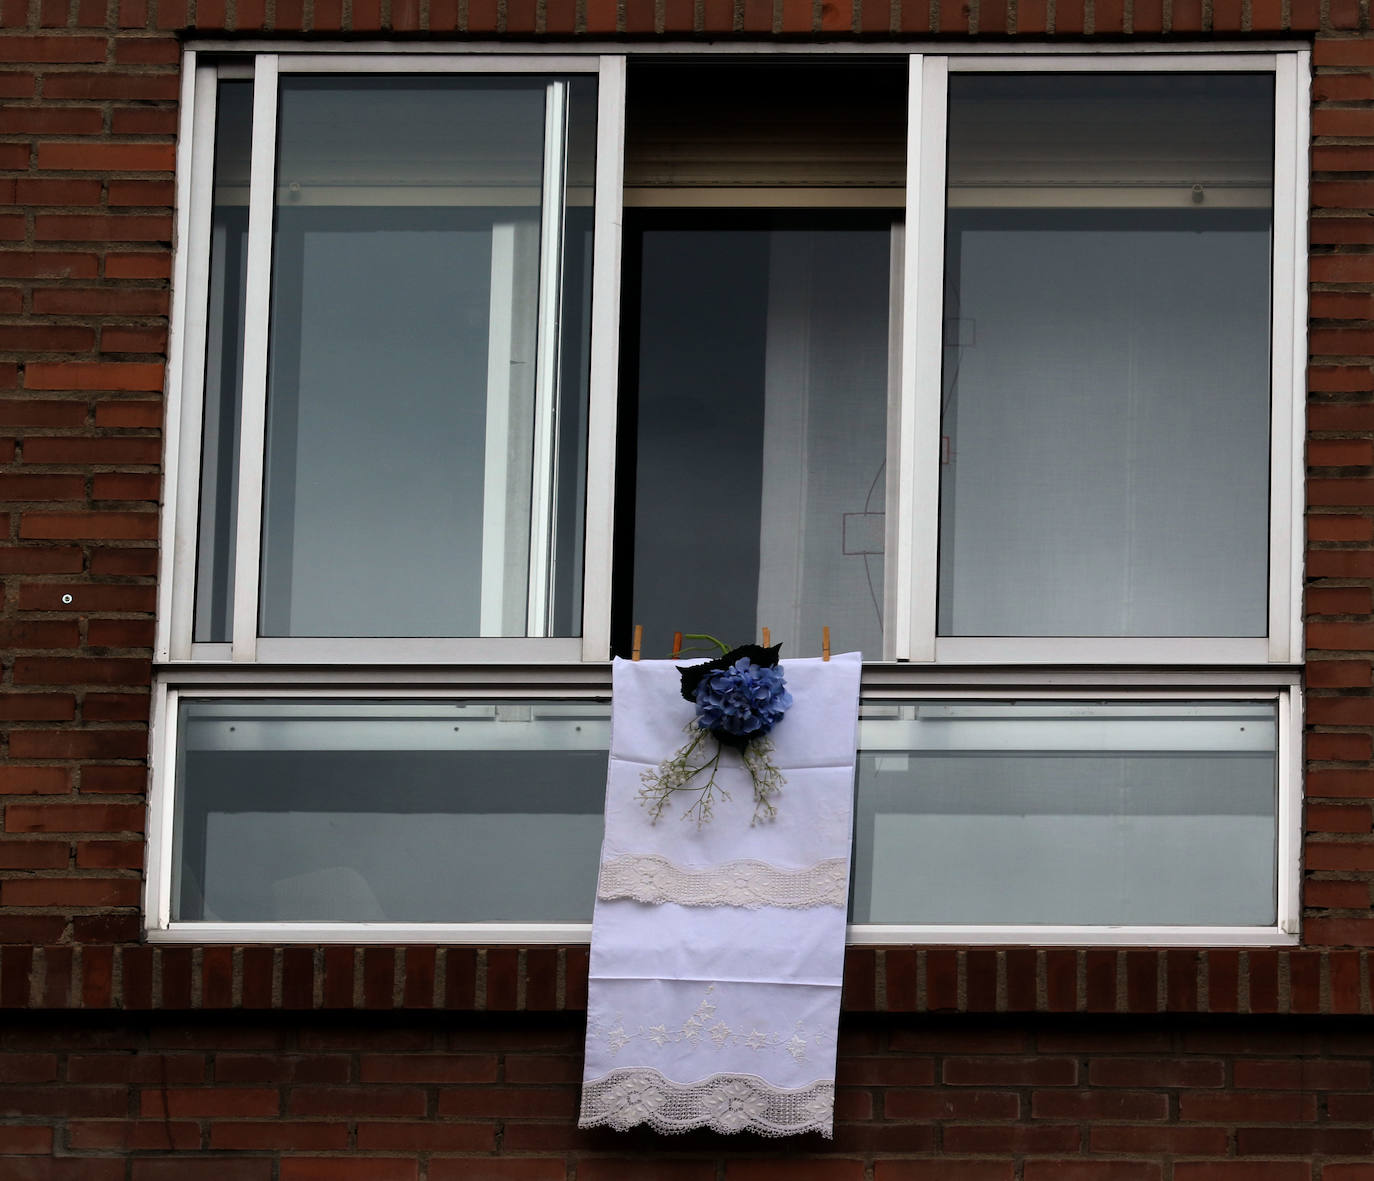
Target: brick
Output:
[
  {"x": 112, "y": 450},
  {"x": 1099, "y": 1105},
  {"x": 508, "y": 1102},
  {"x": 136, "y": 1135},
  {"x": 37, "y": 707},
  {"x": 947, "y": 1104},
  {"x": 100, "y": 301},
  {"x": 54, "y": 670},
  {"x": 1345, "y": 855},
  {"x": 104, "y": 818},
  {"x": 1242, "y": 1171},
  {"x": 146, "y": 51},
  {"x": 1156, "y": 1072},
  {"x": 25, "y": 1140},
  {"x": 52, "y": 49},
  {"x": 430, "y": 1136},
  {"x": 39, "y": 560},
  {"x": 113, "y": 780},
  {"x": 86, "y": 597},
  {"x": 1353, "y": 748},
  {"x": 17, "y": 780},
  {"x": 28, "y": 1068},
  {"x": 51, "y": 120},
  {"x": 1338, "y": 674},
  {"x": 67, "y": 892},
  {"x": 33, "y": 854},
  {"x": 1304, "y": 1141},
  {"x": 149, "y": 414},
  {"x": 1257, "y": 1107},
  {"x": 942, "y": 981},
  {"x": 1043, "y": 1071},
  {"x": 116, "y": 707},
  {"x": 116, "y": 338},
  {"x": 1012, "y": 1138},
  {"x": 279, "y": 1135},
  {"x": 427, "y": 1068},
  {"x": 112, "y": 85},
  {"x": 138, "y": 266},
  {"x": 224, "y": 1169},
  {"x": 360, "y": 1102},
  {"x": 1332, "y": 52},
  {"x": 78, "y": 744},
  {"x": 19, "y": 486},
  {"x": 1338, "y": 818},
  {"x": 1299, "y": 1074},
  {"x": 100, "y": 526},
  {"x": 64, "y": 1101},
  {"x": 283, "y": 1068},
  {"x": 892, "y": 1170},
  {"x": 1339, "y": 600},
  {"x": 441, "y": 1169},
  {"x": 108, "y": 855},
  {"x": 763, "y": 1170},
  {"x": 209, "y": 1102},
  {"x": 45, "y": 338},
  {"x": 1340, "y": 452},
  {"x": 1070, "y": 1170},
  {"x": 95, "y": 375},
  {"x": 65, "y": 1168}
]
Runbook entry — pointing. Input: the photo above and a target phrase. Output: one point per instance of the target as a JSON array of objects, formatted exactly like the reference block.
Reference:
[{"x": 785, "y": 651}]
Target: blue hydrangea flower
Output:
[{"x": 741, "y": 701}]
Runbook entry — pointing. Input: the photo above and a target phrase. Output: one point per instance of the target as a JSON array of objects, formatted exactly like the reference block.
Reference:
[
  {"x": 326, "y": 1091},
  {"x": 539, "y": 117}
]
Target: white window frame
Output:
[
  {"x": 922, "y": 359},
  {"x": 515, "y": 685},
  {"x": 186, "y": 367},
  {"x": 915, "y": 412},
  {"x": 915, "y": 663}
]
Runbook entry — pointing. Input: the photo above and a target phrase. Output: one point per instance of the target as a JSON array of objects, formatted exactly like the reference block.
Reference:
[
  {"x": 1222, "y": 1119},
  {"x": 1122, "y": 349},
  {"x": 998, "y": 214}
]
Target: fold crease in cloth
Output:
[{"x": 717, "y": 950}]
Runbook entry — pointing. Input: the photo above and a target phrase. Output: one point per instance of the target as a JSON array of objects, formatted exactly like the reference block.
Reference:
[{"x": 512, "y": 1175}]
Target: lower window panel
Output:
[
  {"x": 968, "y": 812},
  {"x": 1067, "y": 813},
  {"x": 388, "y": 811}
]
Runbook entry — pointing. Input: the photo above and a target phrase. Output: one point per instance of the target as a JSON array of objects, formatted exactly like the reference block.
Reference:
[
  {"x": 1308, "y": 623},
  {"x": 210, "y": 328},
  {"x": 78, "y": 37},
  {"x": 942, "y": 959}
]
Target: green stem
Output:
[{"x": 703, "y": 636}]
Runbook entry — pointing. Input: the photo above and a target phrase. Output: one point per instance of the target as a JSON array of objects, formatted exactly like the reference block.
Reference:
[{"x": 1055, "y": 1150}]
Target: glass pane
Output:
[
  {"x": 400, "y": 811},
  {"x": 1066, "y": 812},
  {"x": 762, "y": 433},
  {"x": 219, "y": 470},
  {"x": 404, "y": 474},
  {"x": 1105, "y": 459}
]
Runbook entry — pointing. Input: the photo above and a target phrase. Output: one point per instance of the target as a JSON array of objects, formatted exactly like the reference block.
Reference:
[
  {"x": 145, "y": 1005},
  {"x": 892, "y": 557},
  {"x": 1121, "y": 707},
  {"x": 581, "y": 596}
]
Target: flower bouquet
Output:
[{"x": 739, "y": 698}]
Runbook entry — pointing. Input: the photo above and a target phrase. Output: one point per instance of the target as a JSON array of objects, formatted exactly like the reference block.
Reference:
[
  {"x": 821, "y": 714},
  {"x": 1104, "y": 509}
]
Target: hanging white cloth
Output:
[{"x": 718, "y": 950}]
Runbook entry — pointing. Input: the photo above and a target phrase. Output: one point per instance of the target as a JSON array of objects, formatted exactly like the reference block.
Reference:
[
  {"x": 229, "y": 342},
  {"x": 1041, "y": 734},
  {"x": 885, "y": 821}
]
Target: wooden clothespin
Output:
[
  {"x": 766, "y": 638},
  {"x": 825, "y": 643},
  {"x": 677, "y": 645},
  {"x": 639, "y": 641}
]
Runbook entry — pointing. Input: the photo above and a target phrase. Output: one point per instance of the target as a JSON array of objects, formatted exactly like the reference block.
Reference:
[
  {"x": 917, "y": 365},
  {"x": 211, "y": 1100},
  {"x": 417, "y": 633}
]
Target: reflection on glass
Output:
[
  {"x": 223, "y": 364},
  {"x": 399, "y": 811},
  {"x": 1066, "y": 812},
  {"x": 762, "y": 434},
  {"x": 424, "y": 472},
  {"x": 1105, "y": 461}
]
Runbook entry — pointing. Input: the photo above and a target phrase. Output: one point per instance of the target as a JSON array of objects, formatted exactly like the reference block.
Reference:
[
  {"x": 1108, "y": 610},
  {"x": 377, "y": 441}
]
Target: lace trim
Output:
[
  {"x": 723, "y": 1102},
  {"x": 747, "y": 883}
]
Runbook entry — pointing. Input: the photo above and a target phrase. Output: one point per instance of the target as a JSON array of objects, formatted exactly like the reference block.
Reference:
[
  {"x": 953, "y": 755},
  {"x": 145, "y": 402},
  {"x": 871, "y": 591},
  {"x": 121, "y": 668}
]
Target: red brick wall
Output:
[
  {"x": 446, "y": 1098},
  {"x": 86, "y": 157},
  {"x": 88, "y": 93}
]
